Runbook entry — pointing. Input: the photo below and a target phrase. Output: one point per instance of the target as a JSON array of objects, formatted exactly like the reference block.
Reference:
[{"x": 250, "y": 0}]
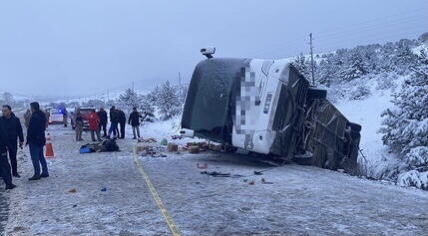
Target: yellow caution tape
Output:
[{"x": 168, "y": 219}]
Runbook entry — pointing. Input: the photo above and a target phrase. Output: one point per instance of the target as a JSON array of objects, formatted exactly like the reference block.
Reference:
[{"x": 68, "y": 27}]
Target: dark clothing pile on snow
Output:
[{"x": 108, "y": 145}]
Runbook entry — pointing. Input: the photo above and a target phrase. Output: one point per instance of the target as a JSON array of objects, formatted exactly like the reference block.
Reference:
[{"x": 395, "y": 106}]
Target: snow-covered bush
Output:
[
  {"x": 360, "y": 92},
  {"x": 413, "y": 178},
  {"x": 386, "y": 81}
]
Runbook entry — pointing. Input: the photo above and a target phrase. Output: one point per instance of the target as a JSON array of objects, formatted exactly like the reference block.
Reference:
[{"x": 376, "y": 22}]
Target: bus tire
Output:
[
  {"x": 316, "y": 93},
  {"x": 354, "y": 126}
]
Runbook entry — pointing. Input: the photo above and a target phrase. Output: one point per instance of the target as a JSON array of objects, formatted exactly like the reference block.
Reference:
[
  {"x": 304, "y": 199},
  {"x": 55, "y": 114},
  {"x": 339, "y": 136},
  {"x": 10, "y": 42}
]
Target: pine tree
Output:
[
  {"x": 405, "y": 127},
  {"x": 354, "y": 69},
  {"x": 168, "y": 101},
  {"x": 386, "y": 55},
  {"x": 182, "y": 92},
  {"x": 147, "y": 108},
  {"x": 302, "y": 65},
  {"x": 94, "y": 103},
  {"x": 129, "y": 100},
  {"x": 326, "y": 71},
  {"x": 73, "y": 104},
  {"x": 8, "y": 99}
]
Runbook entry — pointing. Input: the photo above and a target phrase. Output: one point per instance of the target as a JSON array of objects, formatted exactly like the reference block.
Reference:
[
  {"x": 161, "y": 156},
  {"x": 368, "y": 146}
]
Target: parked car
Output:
[
  {"x": 56, "y": 117},
  {"x": 268, "y": 107},
  {"x": 85, "y": 114}
]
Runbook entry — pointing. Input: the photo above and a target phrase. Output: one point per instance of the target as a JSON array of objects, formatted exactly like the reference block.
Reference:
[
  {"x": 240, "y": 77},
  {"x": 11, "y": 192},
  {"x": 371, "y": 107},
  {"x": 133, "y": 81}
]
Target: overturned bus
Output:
[{"x": 268, "y": 107}]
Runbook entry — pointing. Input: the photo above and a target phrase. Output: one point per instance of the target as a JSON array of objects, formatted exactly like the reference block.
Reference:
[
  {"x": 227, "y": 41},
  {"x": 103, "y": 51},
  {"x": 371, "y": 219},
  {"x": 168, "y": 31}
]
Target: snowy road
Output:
[{"x": 299, "y": 200}]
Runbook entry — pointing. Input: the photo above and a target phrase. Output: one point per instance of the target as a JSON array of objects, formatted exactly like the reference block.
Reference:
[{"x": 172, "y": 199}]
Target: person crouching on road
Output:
[
  {"x": 94, "y": 124},
  {"x": 12, "y": 127},
  {"x": 36, "y": 140},
  {"x": 78, "y": 121}
]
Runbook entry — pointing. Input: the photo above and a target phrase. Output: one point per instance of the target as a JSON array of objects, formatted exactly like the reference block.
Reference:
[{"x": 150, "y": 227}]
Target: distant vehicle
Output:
[
  {"x": 85, "y": 115},
  {"x": 267, "y": 107},
  {"x": 56, "y": 117}
]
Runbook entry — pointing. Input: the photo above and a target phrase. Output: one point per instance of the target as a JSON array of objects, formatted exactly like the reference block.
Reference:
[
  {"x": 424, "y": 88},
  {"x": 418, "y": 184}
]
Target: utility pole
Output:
[
  {"x": 312, "y": 60},
  {"x": 132, "y": 86},
  {"x": 179, "y": 78}
]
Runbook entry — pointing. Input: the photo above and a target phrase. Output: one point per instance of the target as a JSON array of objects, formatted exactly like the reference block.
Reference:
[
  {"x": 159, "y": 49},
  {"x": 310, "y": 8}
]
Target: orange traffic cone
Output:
[{"x": 49, "y": 149}]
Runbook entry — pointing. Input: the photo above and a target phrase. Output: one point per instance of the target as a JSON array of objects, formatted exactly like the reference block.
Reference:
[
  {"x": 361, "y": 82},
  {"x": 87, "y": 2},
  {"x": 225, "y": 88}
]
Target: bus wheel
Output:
[
  {"x": 303, "y": 159},
  {"x": 316, "y": 93},
  {"x": 354, "y": 127}
]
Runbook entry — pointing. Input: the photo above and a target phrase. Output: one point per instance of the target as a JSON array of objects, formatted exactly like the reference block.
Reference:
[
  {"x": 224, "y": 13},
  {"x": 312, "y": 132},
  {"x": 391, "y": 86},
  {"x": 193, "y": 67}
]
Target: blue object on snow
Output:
[
  {"x": 104, "y": 189},
  {"x": 85, "y": 150}
]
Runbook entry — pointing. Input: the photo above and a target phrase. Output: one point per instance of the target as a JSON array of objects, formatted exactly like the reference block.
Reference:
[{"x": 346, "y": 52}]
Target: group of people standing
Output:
[
  {"x": 118, "y": 122},
  {"x": 11, "y": 135},
  {"x": 11, "y": 132},
  {"x": 98, "y": 122}
]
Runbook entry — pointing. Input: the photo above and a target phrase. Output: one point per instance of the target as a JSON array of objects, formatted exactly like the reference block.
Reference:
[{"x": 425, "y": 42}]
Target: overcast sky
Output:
[{"x": 86, "y": 47}]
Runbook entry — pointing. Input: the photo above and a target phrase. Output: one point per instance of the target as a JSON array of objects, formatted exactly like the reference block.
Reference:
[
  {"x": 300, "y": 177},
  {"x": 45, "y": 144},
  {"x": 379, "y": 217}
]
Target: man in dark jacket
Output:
[
  {"x": 4, "y": 162},
  {"x": 102, "y": 114},
  {"x": 12, "y": 126},
  {"x": 36, "y": 140},
  {"x": 122, "y": 123},
  {"x": 134, "y": 121},
  {"x": 114, "y": 119}
]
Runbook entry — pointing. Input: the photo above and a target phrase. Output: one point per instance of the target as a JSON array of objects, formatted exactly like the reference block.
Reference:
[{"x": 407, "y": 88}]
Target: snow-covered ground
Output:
[
  {"x": 376, "y": 158},
  {"x": 300, "y": 200}
]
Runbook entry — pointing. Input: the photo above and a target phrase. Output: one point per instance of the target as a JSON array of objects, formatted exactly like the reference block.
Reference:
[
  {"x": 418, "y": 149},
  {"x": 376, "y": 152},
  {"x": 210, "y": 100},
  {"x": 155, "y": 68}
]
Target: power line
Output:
[{"x": 367, "y": 26}]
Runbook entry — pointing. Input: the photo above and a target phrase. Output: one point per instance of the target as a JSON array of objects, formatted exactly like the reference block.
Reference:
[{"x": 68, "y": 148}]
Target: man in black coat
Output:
[
  {"x": 114, "y": 119},
  {"x": 102, "y": 114},
  {"x": 122, "y": 123},
  {"x": 134, "y": 121},
  {"x": 4, "y": 162},
  {"x": 36, "y": 140},
  {"x": 12, "y": 126}
]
